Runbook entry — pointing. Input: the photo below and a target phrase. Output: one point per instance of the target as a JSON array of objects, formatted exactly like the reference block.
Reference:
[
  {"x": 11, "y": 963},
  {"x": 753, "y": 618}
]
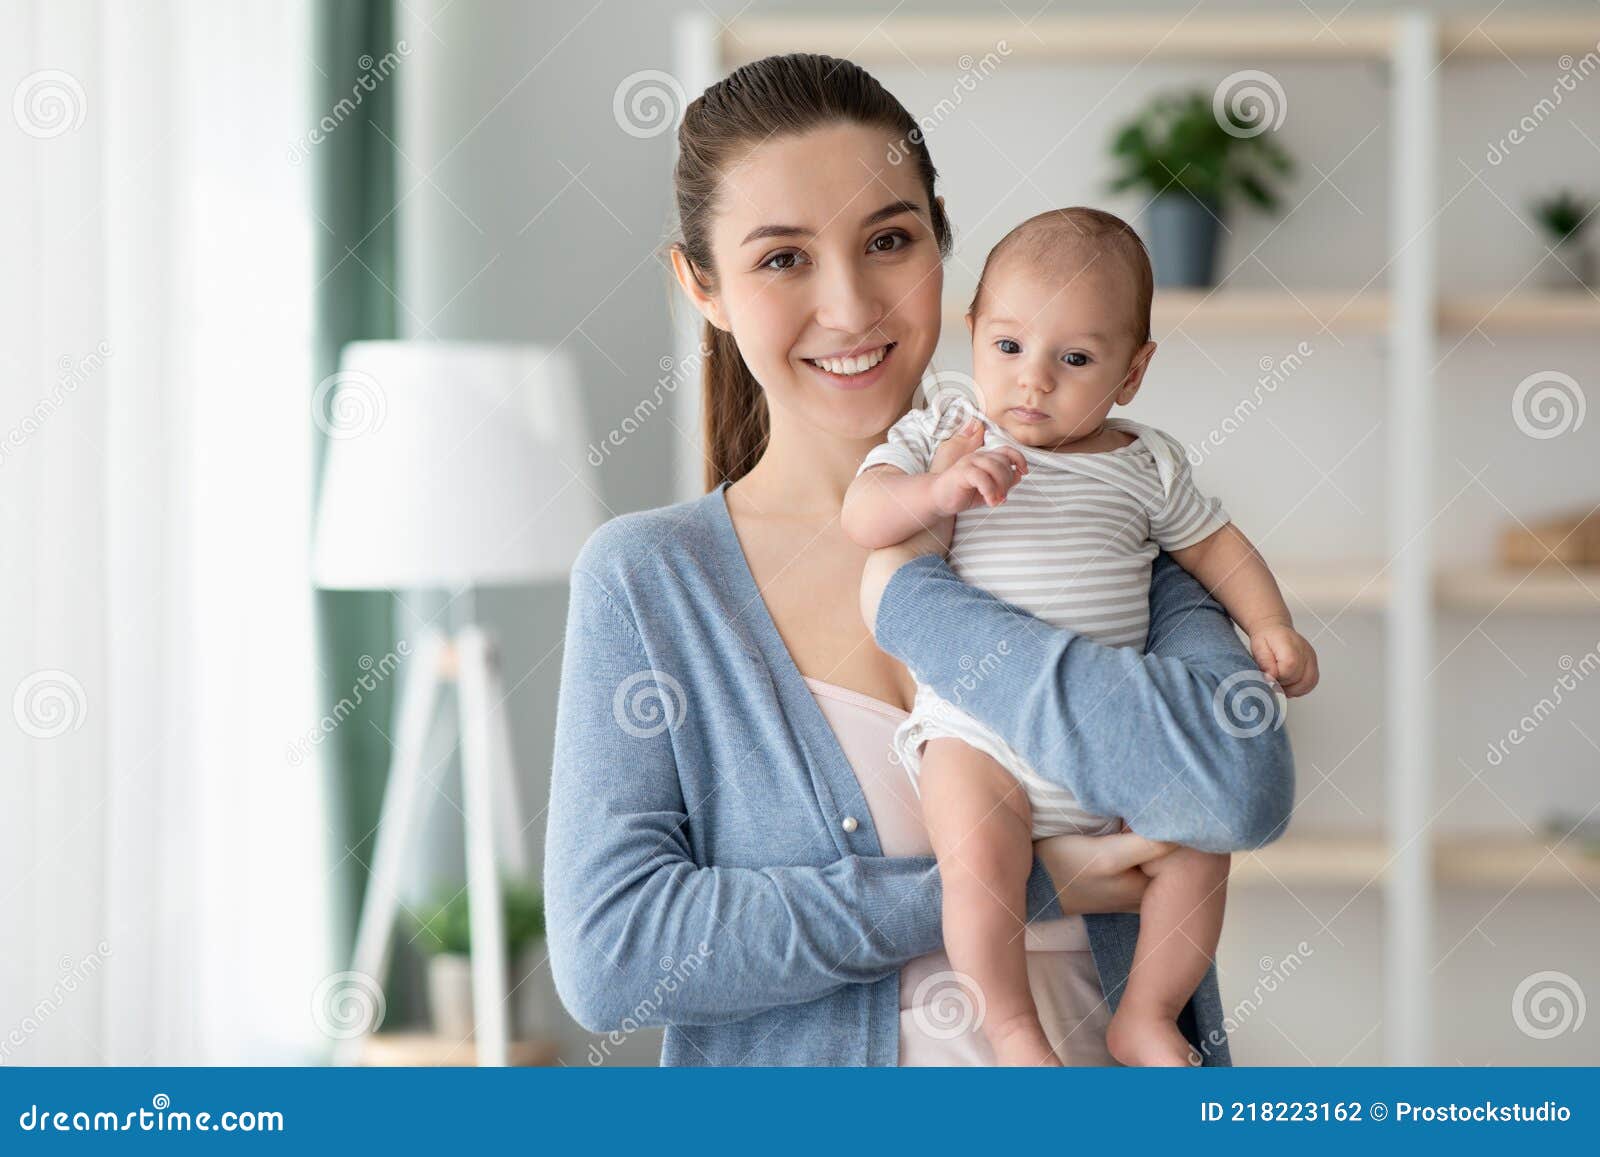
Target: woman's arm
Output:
[
  {"x": 628, "y": 908},
  {"x": 1163, "y": 739}
]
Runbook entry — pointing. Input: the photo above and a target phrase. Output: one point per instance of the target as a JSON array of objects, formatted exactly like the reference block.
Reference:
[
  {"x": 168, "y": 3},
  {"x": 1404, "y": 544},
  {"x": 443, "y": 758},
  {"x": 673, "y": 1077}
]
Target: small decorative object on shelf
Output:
[
  {"x": 1581, "y": 833},
  {"x": 1564, "y": 217},
  {"x": 1573, "y": 540},
  {"x": 1194, "y": 153},
  {"x": 443, "y": 931}
]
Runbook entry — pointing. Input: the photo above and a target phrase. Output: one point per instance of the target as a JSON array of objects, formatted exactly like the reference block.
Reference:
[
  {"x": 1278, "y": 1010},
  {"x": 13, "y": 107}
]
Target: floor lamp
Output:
[{"x": 451, "y": 466}]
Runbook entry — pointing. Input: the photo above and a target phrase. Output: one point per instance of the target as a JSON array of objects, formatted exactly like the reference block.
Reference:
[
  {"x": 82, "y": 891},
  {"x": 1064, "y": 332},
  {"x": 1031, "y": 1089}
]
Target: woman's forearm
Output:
[{"x": 1138, "y": 736}]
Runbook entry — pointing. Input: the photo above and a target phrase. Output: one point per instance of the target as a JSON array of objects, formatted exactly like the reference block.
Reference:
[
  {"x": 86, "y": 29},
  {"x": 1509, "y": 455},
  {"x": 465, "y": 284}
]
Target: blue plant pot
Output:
[{"x": 1183, "y": 240}]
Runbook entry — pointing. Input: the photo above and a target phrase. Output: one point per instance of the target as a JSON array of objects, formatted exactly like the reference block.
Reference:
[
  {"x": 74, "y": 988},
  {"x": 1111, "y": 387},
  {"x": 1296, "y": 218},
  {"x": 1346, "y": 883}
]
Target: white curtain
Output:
[{"x": 161, "y": 860}]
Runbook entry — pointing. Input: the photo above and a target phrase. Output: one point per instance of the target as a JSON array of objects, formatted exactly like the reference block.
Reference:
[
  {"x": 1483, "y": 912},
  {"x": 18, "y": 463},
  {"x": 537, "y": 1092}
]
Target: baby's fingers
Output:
[
  {"x": 1266, "y": 661},
  {"x": 1308, "y": 679}
]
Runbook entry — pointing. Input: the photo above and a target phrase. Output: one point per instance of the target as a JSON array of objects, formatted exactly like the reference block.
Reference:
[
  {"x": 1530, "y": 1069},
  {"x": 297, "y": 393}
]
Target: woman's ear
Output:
[
  {"x": 708, "y": 303},
  {"x": 1135, "y": 375}
]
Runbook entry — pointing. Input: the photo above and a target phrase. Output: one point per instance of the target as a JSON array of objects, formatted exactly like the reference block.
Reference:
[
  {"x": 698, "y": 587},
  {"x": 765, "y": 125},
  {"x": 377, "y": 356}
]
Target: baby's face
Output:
[{"x": 1053, "y": 349}]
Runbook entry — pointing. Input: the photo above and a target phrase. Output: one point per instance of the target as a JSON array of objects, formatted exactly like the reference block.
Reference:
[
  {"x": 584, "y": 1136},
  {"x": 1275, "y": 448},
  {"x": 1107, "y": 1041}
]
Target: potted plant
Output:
[
  {"x": 443, "y": 932},
  {"x": 1564, "y": 216},
  {"x": 1193, "y": 158}
]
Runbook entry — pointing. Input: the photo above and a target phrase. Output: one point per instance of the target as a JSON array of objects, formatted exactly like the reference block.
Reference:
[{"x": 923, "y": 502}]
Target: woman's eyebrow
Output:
[{"x": 893, "y": 209}]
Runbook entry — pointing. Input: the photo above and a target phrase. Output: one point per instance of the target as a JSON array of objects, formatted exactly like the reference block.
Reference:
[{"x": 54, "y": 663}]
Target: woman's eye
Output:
[
  {"x": 1077, "y": 359},
  {"x": 888, "y": 242},
  {"x": 1006, "y": 346},
  {"x": 788, "y": 259}
]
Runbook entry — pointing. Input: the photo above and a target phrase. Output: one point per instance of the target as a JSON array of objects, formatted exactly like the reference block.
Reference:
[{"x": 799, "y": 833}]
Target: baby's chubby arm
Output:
[
  {"x": 1231, "y": 568},
  {"x": 885, "y": 505}
]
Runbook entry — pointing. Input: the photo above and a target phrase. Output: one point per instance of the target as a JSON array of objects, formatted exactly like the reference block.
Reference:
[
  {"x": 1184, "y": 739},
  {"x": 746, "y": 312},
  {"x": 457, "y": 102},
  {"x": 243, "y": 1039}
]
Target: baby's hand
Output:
[
  {"x": 978, "y": 475},
  {"x": 1285, "y": 655}
]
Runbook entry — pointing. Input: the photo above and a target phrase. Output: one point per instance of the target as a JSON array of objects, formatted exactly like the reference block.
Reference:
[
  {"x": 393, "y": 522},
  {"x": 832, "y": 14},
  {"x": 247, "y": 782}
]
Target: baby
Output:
[{"x": 1061, "y": 511}]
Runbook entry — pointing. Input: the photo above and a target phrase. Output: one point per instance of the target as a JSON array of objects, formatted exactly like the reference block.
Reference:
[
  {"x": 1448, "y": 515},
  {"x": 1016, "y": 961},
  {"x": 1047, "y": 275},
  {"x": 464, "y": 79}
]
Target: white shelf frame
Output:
[{"x": 1415, "y": 46}]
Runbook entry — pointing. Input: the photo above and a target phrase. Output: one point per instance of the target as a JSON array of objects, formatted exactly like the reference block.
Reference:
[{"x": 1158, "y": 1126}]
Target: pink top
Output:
[{"x": 938, "y": 1018}]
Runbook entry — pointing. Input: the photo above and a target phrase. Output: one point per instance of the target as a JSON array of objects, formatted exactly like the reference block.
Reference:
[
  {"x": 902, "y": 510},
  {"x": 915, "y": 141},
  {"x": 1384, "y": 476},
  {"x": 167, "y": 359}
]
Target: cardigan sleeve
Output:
[
  {"x": 639, "y": 933},
  {"x": 1164, "y": 739}
]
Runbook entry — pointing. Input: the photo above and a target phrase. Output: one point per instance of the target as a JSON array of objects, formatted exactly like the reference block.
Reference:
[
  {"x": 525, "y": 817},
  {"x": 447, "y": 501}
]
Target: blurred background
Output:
[{"x": 287, "y": 600}]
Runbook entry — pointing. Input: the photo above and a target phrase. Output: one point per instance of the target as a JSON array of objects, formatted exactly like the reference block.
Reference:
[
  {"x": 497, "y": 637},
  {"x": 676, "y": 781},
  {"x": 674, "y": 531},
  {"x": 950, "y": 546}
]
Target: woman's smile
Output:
[{"x": 852, "y": 369}]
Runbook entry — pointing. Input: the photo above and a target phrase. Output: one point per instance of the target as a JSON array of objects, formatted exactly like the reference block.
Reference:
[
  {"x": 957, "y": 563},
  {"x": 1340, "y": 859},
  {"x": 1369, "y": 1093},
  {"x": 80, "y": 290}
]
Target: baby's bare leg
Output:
[
  {"x": 1180, "y": 922},
  {"x": 982, "y": 831}
]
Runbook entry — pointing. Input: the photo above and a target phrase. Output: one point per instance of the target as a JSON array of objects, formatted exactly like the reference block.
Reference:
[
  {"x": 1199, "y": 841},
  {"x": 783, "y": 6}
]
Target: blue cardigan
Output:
[{"x": 702, "y": 867}]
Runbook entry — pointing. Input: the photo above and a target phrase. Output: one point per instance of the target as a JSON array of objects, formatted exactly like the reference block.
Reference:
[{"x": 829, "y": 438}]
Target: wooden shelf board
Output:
[
  {"x": 1459, "y": 860},
  {"x": 1312, "y": 311},
  {"x": 871, "y": 40},
  {"x": 1539, "y": 311},
  {"x": 427, "y": 1050},
  {"x": 1545, "y": 588},
  {"x": 1503, "y": 34},
  {"x": 1313, "y": 860},
  {"x": 1334, "y": 586}
]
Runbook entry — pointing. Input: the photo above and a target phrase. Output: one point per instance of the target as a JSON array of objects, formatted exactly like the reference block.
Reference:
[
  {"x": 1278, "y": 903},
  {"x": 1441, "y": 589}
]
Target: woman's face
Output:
[{"x": 828, "y": 274}]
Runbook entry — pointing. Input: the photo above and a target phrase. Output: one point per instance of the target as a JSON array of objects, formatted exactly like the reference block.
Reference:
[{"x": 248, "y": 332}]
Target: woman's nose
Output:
[{"x": 849, "y": 302}]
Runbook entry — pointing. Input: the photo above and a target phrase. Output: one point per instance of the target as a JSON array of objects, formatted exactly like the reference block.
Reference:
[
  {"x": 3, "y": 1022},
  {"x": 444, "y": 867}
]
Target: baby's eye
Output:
[
  {"x": 1007, "y": 346},
  {"x": 1075, "y": 358},
  {"x": 787, "y": 259}
]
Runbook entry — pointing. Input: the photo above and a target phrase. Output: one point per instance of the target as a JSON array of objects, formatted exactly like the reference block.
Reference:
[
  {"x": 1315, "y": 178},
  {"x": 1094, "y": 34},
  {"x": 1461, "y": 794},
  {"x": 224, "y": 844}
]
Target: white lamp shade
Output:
[{"x": 451, "y": 464}]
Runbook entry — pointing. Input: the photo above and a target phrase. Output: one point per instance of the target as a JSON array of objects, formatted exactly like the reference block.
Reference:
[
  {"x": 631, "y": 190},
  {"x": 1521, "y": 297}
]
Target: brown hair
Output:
[
  {"x": 1050, "y": 235},
  {"x": 776, "y": 95}
]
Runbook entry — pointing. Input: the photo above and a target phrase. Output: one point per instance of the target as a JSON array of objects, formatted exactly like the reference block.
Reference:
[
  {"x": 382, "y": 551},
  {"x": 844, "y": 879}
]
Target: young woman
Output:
[{"x": 731, "y": 853}]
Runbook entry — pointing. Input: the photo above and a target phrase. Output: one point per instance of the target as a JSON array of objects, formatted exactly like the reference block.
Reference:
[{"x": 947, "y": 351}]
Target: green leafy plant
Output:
[
  {"x": 1177, "y": 143},
  {"x": 1564, "y": 215},
  {"x": 445, "y": 925}
]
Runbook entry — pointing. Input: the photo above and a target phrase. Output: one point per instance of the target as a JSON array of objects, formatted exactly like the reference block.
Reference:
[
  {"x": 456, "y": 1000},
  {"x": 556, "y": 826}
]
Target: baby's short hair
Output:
[{"x": 1053, "y": 235}]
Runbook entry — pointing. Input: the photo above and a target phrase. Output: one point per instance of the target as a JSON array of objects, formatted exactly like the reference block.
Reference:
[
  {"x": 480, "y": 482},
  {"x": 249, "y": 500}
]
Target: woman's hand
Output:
[
  {"x": 1099, "y": 873},
  {"x": 883, "y": 562}
]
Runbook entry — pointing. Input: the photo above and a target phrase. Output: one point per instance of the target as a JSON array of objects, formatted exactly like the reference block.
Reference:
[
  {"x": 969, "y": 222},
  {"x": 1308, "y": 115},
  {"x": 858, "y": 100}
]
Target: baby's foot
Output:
[
  {"x": 1020, "y": 1042},
  {"x": 1148, "y": 1039}
]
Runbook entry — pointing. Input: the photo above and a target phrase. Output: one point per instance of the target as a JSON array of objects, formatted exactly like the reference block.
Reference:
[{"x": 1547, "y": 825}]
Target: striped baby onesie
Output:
[{"x": 1072, "y": 544}]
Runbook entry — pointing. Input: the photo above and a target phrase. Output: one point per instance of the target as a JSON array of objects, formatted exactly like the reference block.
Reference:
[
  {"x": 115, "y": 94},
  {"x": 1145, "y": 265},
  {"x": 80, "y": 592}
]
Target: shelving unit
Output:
[{"x": 1408, "y": 861}]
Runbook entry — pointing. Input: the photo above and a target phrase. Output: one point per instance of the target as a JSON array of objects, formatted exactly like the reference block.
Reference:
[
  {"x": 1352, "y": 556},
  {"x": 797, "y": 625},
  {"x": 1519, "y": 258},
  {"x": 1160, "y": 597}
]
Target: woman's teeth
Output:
[{"x": 859, "y": 364}]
